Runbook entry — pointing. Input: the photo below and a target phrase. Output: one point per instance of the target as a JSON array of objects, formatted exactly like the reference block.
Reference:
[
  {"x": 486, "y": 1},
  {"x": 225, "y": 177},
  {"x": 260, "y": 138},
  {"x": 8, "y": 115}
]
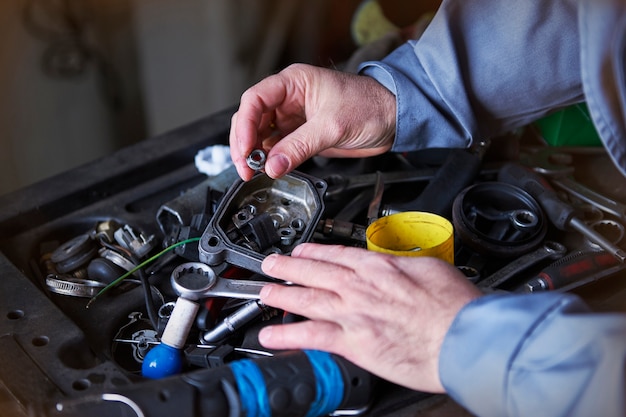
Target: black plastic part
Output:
[
  {"x": 459, "y": 169},
  {"x": 103, "y": 270},
  {"x": 289, "y": 381},
  {"x": 474, "y": 232},
  {"x": 261, "y": 231},
  {"x": 559, "y": 212},
  {"x": 206, "y": 357}
]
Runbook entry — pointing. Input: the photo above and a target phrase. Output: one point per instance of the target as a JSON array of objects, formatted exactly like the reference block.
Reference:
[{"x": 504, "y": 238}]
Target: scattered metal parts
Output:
[
  {"x": 287, "y": 236},
  {"x": 74, "y": 253},
  {"x": 373, "y": 210},
  {"x": 256, "y": 160},
  {"x": 342, "y": 230},
  {"x": 180, "y": 211},
  {"x": 242, "y": 316},
  {"x": 242, "y": 235},
  {"x": 612, "y": 230},
  {"x": 75, "y": 287},
  {"x": 195, "y": 281},
  {"x": 550, "y": 250},
  {"x": 132, "y": 341},
  {"x": 470, "y": 272},
  {"x": 116, "y": 258},
  {"x": 138, "y": 244},
  {"x": 556, "y": 164},
  {"x": 104, "y": 231}
]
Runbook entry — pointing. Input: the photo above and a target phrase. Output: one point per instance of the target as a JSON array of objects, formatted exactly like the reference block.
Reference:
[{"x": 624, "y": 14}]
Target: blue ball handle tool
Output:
[{"x": 166, "y": 358}]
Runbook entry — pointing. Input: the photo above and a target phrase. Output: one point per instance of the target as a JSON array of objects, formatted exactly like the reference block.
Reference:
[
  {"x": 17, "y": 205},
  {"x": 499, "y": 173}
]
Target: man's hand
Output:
[
  {"x": 387, "y": 314},
  {"x": 304, "y": 111}
]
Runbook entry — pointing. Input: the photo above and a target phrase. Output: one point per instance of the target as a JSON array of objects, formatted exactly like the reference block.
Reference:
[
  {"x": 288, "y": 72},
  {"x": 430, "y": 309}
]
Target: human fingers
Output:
[
  {"x": 255, "y": 119},
  {"x": 315, "y": 265},
  {"x": 308, "y": 334}
]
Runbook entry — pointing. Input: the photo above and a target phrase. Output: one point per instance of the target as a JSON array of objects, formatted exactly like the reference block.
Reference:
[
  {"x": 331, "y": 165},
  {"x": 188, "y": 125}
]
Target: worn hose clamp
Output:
[
  {"x": 74, "y": 287},
  {"x": 256, "y": 160}
]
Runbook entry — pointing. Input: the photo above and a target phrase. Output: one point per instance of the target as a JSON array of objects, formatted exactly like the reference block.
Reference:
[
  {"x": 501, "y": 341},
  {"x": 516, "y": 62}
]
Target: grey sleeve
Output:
[{"x": 535, "y": 355}]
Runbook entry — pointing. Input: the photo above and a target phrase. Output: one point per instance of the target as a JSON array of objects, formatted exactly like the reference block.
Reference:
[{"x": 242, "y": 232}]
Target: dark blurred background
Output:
[{"x": 82, "y": 78}]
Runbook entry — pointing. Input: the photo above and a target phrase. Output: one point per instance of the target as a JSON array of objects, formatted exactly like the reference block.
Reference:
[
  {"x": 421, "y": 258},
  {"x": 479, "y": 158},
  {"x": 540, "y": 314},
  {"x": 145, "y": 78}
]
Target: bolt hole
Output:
[
  {"x": 164, "y": 395},
  {"x": 15, "y": 314},
  {"x": 213, "y": 241},
  {"x": 320, "y": 185},
  {"x": 285, "y": 202},
  {"x": 81, "y": 384},
  {"x": 40, "y": 341},
  {"x": 298, "y": 224}
]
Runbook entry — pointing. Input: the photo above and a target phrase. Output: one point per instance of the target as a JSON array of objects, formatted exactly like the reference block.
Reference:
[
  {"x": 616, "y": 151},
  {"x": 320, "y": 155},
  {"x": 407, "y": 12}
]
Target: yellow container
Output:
[{"x": 412, "y": 233}]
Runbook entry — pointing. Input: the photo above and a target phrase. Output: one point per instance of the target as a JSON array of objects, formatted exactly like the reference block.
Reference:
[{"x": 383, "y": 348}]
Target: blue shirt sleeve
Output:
[
  {"x": 485, "y": 67},
  {"x": 535, "y": 355}
]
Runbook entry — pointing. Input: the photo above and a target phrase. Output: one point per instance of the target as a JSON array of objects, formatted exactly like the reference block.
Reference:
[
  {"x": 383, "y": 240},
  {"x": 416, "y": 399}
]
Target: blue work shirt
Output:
[{"x": 482, "y": 68}]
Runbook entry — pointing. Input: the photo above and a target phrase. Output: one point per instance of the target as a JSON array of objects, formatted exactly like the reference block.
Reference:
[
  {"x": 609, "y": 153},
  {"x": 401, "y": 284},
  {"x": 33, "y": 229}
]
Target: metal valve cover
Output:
[{"x": 262, "y": 216}]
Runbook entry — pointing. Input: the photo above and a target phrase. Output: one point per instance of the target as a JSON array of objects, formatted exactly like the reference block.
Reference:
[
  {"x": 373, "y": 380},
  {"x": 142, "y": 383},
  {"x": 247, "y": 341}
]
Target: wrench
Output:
[
  {"x": 555, "y": 163},
  {"x": 549, "y": 250},
  {"x": 338, "y": 184},
  {"x": 195, "y": 281}
]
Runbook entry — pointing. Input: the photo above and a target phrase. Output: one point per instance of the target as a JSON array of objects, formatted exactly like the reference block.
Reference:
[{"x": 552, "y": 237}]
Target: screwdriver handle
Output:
[
  {"x": 559, "y": 212},
  {"x": 569, "y": 270}
]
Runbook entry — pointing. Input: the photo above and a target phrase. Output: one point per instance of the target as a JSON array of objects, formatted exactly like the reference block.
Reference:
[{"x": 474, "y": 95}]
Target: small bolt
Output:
[{"x": 256, "y": 160}]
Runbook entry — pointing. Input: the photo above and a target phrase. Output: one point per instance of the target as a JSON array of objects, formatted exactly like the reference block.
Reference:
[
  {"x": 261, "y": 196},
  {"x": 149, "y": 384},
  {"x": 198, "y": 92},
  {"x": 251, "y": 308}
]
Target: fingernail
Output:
[
  {"x": 278, "y": 165},
  {"x": 265, "y": 291},
  {"x": 268, "y": 262},
  {"x": 296, "y": 251},
  {"x": 265, "y": 335}
]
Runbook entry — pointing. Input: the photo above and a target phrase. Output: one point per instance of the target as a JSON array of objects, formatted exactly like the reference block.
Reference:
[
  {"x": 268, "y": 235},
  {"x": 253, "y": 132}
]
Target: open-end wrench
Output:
[
  {"x": 548, "y": 251},
  {"x": 338, "y": 184}
]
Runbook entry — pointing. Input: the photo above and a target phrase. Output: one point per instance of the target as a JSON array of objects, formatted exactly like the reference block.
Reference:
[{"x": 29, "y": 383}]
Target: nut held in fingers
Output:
[{"x": 256, "y": 160}]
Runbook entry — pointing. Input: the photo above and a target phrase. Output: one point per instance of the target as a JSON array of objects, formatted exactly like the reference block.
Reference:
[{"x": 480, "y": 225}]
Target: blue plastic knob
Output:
[{"x": 162, "y": 361}]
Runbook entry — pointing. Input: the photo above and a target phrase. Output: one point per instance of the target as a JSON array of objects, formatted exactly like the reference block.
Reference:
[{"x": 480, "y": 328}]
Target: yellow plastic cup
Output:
[{"x": 412, "y": 233}]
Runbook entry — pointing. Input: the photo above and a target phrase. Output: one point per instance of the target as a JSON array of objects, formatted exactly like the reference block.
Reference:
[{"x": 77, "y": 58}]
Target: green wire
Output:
[{"x": 141, "y": 265}]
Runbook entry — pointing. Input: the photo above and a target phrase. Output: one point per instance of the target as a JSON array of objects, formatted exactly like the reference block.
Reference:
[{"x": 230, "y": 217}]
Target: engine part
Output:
[
  {"x": 138, "y": 244},
  {"x": 549, "y": 250},
  {"x": 497, "y": 219},
  {"x": 256, "y": 160},
  {"x": 76, "y": 287},
  {"x": 238, "y": 236},
  {"x": 180, "y": 211},
  {"x": 117, "y": 259},
  {"x": 103, "y": 270},
  {"x": 132, "y": 341},
  {"x": 74, "y": 253},
  {"x": 195, "y": 281},
  {"x": 105, "y": 230}
]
